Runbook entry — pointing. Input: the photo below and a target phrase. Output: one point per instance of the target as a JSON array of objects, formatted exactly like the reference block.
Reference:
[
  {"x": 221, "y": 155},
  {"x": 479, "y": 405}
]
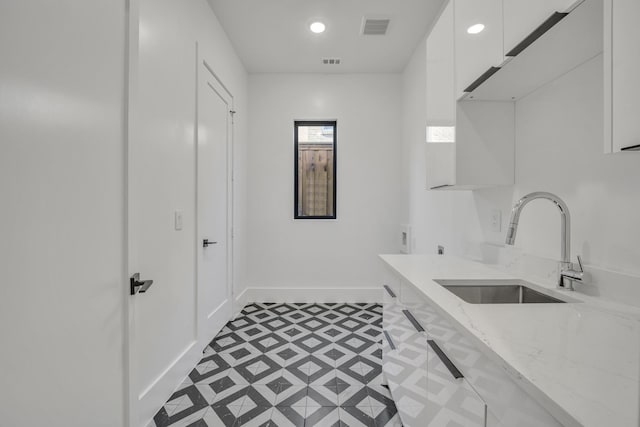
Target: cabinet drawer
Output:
[
  {"x": 508, "y": 403},
  {"x": 404, "y": 362},
  {"x": 396, "y": 323},
  {"x": 450, "y": 400},
  {"x": 405, "y": 369}
]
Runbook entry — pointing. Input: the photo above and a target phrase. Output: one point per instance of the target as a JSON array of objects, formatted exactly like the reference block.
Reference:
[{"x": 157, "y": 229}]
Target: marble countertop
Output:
[{"x": 580, "y": 360}]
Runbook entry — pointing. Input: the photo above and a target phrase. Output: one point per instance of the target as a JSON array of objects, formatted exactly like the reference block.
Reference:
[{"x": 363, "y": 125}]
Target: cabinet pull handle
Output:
[
  {"x": 440, "y": 186},
  {"x": 413, "y": 321},
  {"x": 537, "y": 33},
  {"x": 389, "y": 291},
  {"x": 391, "y": 344},
  {"x": 631, "y": 148},
  {"x": 447, "y": 362},
  {"x": 484, "y": 77}
]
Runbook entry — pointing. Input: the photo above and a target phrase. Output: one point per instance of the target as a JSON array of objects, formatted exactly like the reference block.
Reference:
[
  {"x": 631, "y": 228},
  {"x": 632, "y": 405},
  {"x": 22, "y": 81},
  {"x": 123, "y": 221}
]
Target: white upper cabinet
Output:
[
  {"x": 555, "y": 47},
  {"x": 441, "y": 103},
  {"x": 468, "y": 145},
  {"x": 478, "y": 40},
  {"x": 621, "y": 65},
  {"x": 522, "y": 17}
]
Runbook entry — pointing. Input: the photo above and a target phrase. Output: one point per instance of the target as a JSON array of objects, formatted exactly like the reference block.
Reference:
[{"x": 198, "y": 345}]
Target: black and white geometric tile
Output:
[{"x": 280, "y": 365}]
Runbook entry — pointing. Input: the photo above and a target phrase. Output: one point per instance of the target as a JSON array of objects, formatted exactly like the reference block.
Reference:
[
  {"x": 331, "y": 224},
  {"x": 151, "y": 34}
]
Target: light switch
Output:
[
  {"x": 178, "y": 220},
  {"x": 496, "y": 220}
]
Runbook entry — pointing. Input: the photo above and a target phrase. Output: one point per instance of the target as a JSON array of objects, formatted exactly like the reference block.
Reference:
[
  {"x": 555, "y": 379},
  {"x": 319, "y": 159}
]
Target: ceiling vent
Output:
[
  {"x": 331, "y": 61},
  {"x": 375, "y": 26}
]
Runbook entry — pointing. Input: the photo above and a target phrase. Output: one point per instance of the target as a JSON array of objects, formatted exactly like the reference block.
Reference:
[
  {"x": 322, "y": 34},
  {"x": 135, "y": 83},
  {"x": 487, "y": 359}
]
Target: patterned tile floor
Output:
[{"x": 289, "y": 365}]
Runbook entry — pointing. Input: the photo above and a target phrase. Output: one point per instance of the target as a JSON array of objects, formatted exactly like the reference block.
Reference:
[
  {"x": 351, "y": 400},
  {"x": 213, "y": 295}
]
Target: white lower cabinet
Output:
[
  {"x": 508, "y": 402},
  {"x": 404, "y": 364},
  {"x": 406, "y": 372},
  {"x": 425, "y": 391},
  {"x": 450, "y": 400},
  {"x": 421, "y": 353}
]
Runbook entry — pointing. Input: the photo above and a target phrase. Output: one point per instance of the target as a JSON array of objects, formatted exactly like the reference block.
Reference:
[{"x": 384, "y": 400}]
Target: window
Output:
[{"x": 315, "y": 169}]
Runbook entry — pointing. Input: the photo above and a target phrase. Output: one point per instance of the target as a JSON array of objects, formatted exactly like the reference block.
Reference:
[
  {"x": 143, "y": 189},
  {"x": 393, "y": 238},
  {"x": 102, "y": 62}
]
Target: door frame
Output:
[
  {"x": 203, "y": 64},
  {"x": 130, "y": 99}
]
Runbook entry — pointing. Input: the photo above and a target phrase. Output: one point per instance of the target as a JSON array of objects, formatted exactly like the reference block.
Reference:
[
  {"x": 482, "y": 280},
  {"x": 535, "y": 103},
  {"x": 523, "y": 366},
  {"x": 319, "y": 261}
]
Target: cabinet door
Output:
[
  {"x": 441, "y": 105},
  {"x": 522, "y": 17},
  {"x": 441, "y": 165},
  {"x": 622, "y": 62},
  {"x": 477, "y": 53},
  {"x": 404, "y": 365},
  {"x": 450, "y": 400},
  {"x": 441, "y": 102}
]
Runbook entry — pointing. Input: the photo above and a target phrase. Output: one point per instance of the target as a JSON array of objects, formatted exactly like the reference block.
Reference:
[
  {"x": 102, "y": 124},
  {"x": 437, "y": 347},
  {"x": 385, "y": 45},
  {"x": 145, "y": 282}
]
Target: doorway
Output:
[{"x": 215, "y": 201}]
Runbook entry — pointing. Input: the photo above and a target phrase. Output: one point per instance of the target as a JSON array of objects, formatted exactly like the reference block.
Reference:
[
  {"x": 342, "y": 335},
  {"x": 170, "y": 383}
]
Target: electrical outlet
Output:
[{"x": 496, "y": 220}]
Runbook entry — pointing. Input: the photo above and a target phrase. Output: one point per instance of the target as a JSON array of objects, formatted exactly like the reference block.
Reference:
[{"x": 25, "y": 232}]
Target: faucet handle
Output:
[{"x": 570, "y": 274}]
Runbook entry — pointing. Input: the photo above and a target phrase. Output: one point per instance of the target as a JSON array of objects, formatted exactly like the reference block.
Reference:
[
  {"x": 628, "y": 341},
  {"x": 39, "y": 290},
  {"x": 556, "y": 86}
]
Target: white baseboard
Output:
[
  {"x": 161, "y": 388},
  {"x": 350, "y": 295}
]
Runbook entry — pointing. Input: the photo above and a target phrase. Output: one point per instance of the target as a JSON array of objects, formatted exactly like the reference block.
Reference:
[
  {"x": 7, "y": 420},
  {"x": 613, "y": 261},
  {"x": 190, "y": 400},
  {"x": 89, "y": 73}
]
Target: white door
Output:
[
  {"x": 162, "y": 324},
  {"x": 214, "y": 199}
]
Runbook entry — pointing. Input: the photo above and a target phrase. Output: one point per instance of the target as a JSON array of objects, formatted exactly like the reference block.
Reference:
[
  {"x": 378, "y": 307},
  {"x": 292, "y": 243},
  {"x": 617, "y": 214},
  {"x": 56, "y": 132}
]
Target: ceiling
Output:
[{"x": 272, "y": 36}]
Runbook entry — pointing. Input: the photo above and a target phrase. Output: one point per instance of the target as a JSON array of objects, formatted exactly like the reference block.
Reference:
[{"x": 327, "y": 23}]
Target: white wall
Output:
[
  {"x": 559, "y": 131},
  {"x": 169, "y": 31},
  {"x": 324, "y": 254},
  {"x": 62, "y": 276}
]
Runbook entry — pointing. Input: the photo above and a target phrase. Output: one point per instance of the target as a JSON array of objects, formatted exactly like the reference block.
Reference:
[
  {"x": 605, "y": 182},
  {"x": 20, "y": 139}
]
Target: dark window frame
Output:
[{"x": 296, "y": 125}]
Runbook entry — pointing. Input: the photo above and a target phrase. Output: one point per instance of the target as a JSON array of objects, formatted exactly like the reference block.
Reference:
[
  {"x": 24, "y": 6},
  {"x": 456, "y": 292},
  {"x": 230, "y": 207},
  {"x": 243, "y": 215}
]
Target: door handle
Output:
[
  {"x": 206, "y": 243},
  {"x": 139, "y": 286}
]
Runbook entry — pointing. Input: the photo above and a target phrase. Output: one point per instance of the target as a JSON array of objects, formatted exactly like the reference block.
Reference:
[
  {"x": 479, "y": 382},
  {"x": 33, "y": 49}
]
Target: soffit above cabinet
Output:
[{"x": 572, "y": 41}]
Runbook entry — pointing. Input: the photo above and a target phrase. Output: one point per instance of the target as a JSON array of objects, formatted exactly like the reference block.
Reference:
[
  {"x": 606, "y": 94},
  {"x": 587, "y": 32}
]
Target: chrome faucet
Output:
[{"x": 568, "y": 273}]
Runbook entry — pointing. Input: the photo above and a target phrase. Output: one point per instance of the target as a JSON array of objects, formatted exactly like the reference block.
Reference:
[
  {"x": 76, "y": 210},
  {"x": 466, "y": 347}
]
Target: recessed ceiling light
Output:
[
  {"x": 475, "y": 29},
  {"x": 317, "y": 27}
]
